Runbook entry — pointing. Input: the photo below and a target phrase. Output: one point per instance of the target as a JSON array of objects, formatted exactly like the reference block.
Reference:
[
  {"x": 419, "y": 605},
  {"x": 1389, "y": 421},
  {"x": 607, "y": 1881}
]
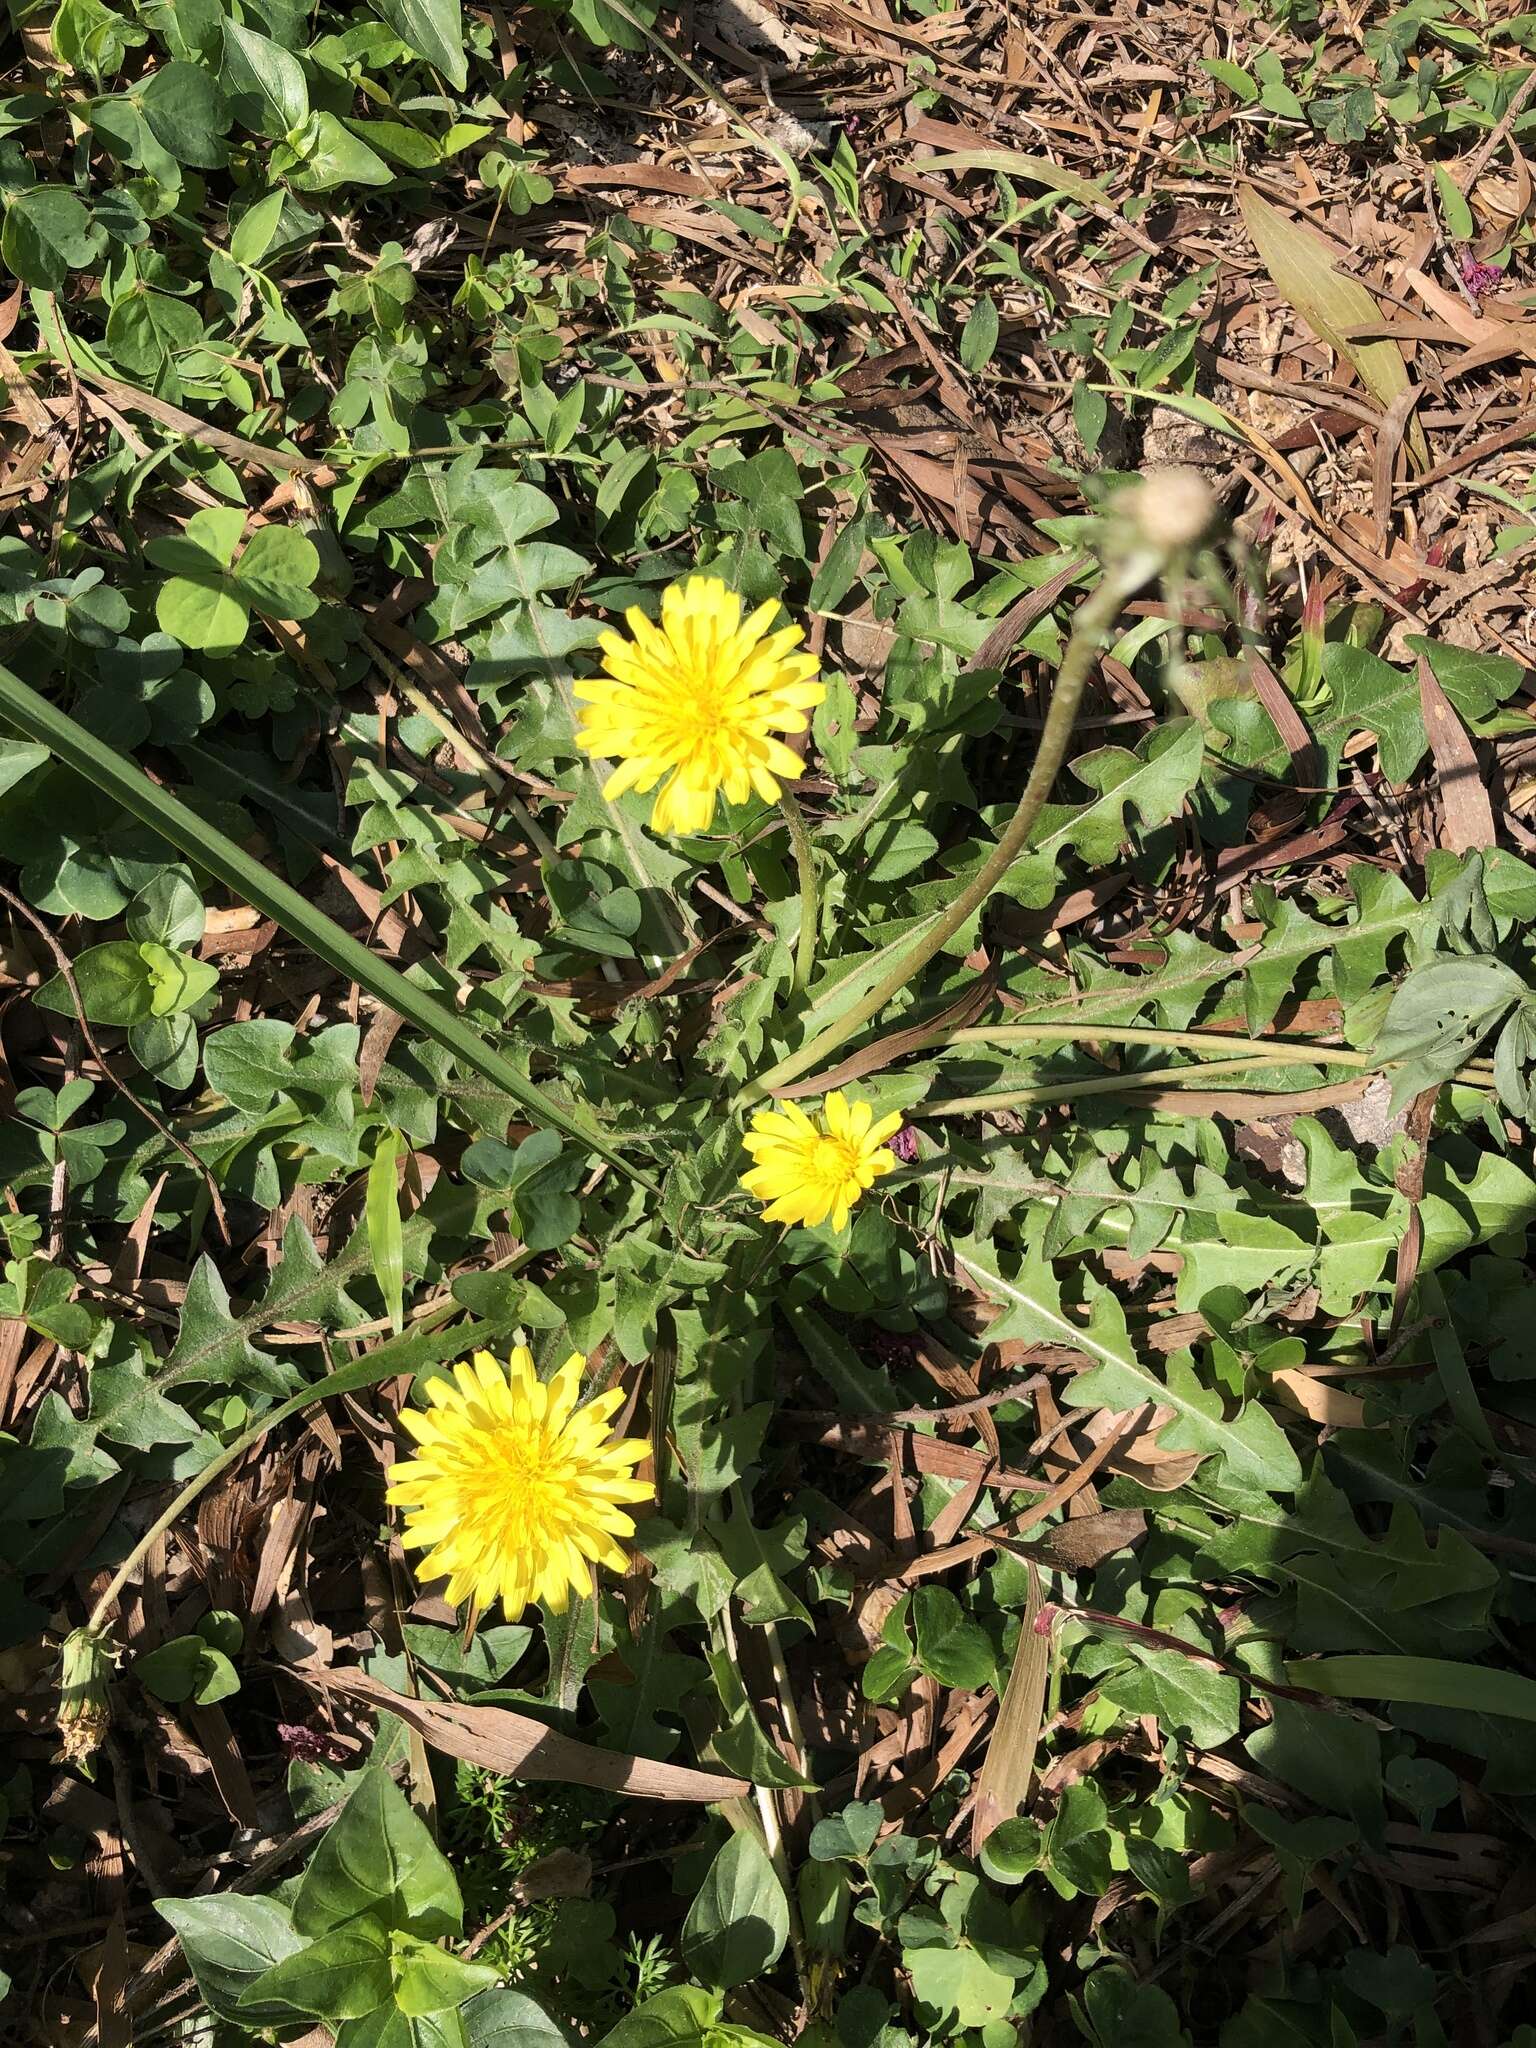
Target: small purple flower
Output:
[
  {"x": 1479, "y": 278},
  {"x": 904, "y": 1144},
  {"x": 304, "y": 1743}
]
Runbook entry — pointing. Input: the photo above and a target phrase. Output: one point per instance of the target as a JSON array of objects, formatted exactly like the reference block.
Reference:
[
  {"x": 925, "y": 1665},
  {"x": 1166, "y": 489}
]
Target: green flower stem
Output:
[
  {"x": 401, "y": 1355},
  {"x": 1266, "y": 1051},
  {"x": 1073, "y": 1091},
  {"x": 1124, "y": 575},
  {"x": 805, "y": 869},
  {"x": 228, "y": 863},
  {"x": 1150, "y": 1077}
]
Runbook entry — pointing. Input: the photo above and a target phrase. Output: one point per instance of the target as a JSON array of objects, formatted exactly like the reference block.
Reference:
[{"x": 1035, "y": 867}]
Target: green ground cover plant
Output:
[{"x": 767, "y": 1024}]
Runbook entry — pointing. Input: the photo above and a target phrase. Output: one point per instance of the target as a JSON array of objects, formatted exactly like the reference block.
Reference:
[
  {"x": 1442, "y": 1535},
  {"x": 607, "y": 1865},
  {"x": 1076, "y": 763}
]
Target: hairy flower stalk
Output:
[{"x": 1153, "y": 527}]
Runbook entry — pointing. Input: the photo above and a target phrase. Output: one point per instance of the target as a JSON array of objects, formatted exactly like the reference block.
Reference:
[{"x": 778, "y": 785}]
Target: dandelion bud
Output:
[{"x": 84, "y": 1714}]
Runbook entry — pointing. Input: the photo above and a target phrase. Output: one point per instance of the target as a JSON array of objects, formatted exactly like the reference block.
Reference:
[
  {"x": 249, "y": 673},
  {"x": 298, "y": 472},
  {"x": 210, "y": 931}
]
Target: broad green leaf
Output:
[
  {"x": 204, "y": 547},
  {"x": 429, "y": 1980},
  {"x": 1365, "y": 694},
  {"x": 257, "y": 227},
  {"x": 378, "y": 1858},
  {"x": 1330, "y": 1758},
  {"x": 1090, "y": 414},
  {"x": 955, "y": 1988},
  {"x": 1186, "y": 1697},
  {"x": 950, "y": 1646},
  {"x": 212, "y": 1345},
  {"x": 147, "y": 330},
  {"x": 332, "y": 153},
  {"x": 1476, "y": 681},
  {"x": 683, "y": 2017},
  {"x": 18, "y": 758},
  {"x": 59, "y": 1464},
  {"x": 229, "y": 1940},
  {"x": 47, "y": 234},
  {"x": 1354, "y": 1588},
  {"x": 1152, "y": 781},
  {"x": 185, "y": 112},
  {"x": 276, "y": 572},
  {"x": 265, "y": 81},
  {"x": 343, "y": 1974},
  {"x": 1240, "y": 83},
  {"x": 208, "y": 615},
  {"x": 978, "y": 339},
  {"x": 91, "y": 38},
  {"x": 507, "y": 2018},
  {"x": 114, "y": 981},
  {"x": 488, "y": 1658},
  {"x": 1250, "y": 1444},
  {"x": 187, "y": 1668},
  {"x": 739, "y": 1920},
  {"x": 1453, "y": 204},
  {"x": 1440, "y": 1015},
  {"x": 434, "y": 29},
  {"x": 389, "y": 2027},
  {"x": 127, "y": 1408}
]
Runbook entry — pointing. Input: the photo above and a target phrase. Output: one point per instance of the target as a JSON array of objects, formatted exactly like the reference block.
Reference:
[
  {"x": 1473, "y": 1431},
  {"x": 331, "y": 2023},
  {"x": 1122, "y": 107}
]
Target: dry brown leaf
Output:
[
  {"x": 1086, "y": 1541},
  {"x": 1009, "y": 1764},
  {"x": 1301, "y": 267},
  {"x": 520, "y": 1747},
  {"x": 1467, "y": 824},
  {"x": 1138, "y": 1455},
  {"x": 1319, "y": 1401}
]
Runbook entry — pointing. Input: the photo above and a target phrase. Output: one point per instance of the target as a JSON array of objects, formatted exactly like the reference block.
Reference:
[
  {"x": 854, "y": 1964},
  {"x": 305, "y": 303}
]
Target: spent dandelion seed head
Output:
[
  {"x": 695, "y": 703},
  {"x": 813, "y": 1169},
  {"x": 85, "y": 1713},
  {"x": 516, "y": 1491}
]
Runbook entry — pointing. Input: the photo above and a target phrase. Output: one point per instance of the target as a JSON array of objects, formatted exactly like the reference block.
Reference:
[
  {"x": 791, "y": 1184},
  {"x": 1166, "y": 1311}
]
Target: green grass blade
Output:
[
  {"x": 220, "y": 857},
  {"x": 1419, "y": 1682},
  {"x": 386, "y": 1237}
]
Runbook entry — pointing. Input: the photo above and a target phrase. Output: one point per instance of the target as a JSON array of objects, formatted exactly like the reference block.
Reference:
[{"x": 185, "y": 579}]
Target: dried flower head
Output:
[
  {"x": 1173, "y": 508},
  {"x": 1479, "y": 278},
  {"x": 85, "y": 1666}
]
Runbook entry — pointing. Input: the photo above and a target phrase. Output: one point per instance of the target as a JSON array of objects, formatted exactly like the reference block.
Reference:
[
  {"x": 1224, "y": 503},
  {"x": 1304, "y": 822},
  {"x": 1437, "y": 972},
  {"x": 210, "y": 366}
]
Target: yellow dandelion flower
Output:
[
  {"x": 805, "y": 1170},
  {"x": 694, "y": 704},
  {"x": 515, "y": 1492}
]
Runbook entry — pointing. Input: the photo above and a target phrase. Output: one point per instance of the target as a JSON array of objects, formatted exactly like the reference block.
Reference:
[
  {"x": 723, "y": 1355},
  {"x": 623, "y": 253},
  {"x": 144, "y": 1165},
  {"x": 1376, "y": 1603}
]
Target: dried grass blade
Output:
[
  {"x": 1300, "y": 265},
  {"x": 521, "y": 1747},
  {"x": 1009, "y": 1764}
]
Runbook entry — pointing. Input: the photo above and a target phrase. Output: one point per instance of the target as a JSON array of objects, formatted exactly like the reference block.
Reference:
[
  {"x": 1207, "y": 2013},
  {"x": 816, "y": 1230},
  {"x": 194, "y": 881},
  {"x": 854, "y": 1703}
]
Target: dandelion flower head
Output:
[
  {"x": 515, "y": 1491},
  {"x": 807, "y": 1170},
  {"x": 694, "y": 704}
]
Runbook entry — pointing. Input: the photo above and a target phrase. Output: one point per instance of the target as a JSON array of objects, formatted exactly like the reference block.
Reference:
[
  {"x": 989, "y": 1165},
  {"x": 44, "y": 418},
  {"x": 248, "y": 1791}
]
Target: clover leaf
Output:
[{"x": 208, "y": 600}]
